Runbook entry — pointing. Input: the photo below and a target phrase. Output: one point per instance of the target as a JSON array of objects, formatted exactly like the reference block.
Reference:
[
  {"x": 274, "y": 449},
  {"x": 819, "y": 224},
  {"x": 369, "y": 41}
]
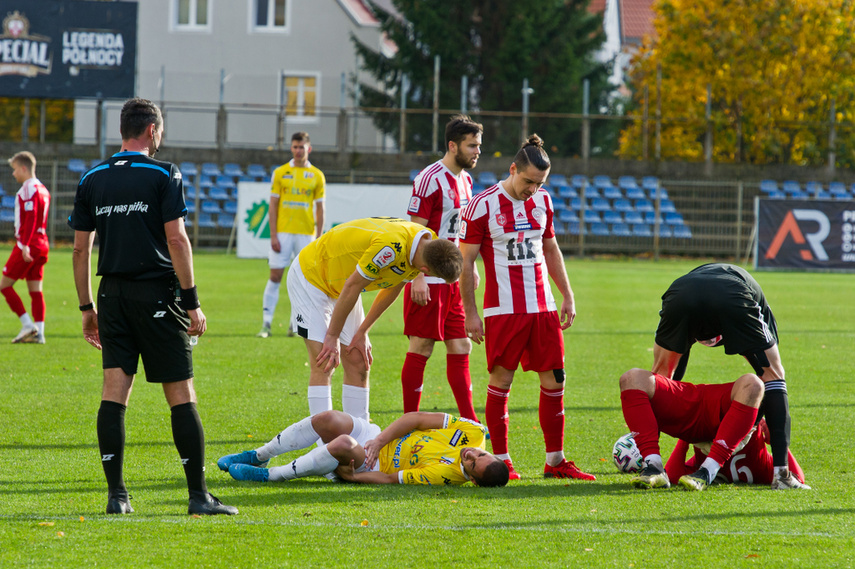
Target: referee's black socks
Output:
[
  {"x": 111, "y": 442},
  {"x": 776, "y": 408},
  {"x": 189, "y": 437}
]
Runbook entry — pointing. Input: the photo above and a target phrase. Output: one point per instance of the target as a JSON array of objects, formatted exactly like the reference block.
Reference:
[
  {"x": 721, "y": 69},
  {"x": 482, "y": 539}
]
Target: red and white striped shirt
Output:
[
  {"x": 31, "y": 213},
  {"x": 438, "y": 196},
  {"x": 511, "y": 233}
]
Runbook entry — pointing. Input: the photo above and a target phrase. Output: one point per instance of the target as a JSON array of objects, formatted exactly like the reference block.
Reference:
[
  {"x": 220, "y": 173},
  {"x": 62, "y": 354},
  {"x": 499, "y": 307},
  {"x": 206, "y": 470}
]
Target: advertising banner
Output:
[
  {"x": 808, "y": 235},
  {"x": 60, "y": 49},
  {"x": 344, "y": 202}
]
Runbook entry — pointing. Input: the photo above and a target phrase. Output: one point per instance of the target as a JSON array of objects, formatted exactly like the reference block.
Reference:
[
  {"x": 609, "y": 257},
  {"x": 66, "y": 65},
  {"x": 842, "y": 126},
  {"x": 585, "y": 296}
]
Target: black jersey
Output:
[
  {"x": 126, "y": 200},
  {"x": 712, "y": 301}
]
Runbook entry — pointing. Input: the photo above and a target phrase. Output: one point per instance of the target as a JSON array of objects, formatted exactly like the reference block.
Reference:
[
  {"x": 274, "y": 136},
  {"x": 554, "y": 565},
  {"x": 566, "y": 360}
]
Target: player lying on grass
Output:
[
  {"x": 751, "y": 463},
  {"x": 723, "y": 413},
  {"x": 417, "y": 448}
]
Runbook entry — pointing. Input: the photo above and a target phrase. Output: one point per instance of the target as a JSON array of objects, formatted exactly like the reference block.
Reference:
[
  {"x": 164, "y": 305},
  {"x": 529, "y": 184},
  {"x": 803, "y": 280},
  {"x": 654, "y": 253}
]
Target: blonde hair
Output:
[{"x": 26, "y": 159}]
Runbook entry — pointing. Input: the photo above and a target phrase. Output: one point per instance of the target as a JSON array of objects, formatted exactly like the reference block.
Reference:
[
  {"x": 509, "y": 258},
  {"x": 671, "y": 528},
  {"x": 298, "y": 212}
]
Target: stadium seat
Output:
[
  {"x": 190, "y": 192},
  {"x": 558, "y": 181},
  {"x": 799, "y": 195},
  {"x": 188, "y": 169},
  {"x": 205, "y": 220},
  {"x": 633, "y": 217},
  {"x": 602, "y": 181},
  {"x": 822, "y": 195},
  {"x": 777, "y": 195},
  {"x": 641, "y": 230},
  {"x": 650, "y": 217},
  {"x": 477, "y": 188},
  {"x": 674, "y": 218},
  {"x": 245, "y": 178},
  {"x": 768, "y": 186},
  {"x": 682, "y": 232},
  {"x": 7, "y": 215},
  {"x": 210, "y": 169},
  {"x": 627, "y": 182},
  {"x": 219, "y": 193},
  {"x": 559, "y": 228},
  {"x": 256, "y": 171},
  {"x": 664, "y": 231},
  {"x": 600, "y": 229},
  {"x": 226, "y": 220},
  {"x": 621, "y": 230},
  {"x": 190, "y": 205},
  {"x": 578, "y": 180},
  {"x": 635, "y": 194},
  {"x": 791, "y": 187},
  {"x": 567, "y": 192},
  {"x": 210, "y": 206},
  {"x": 814, "y": 187},
  {"x": 667, "y": 206},
  {"x": 623, "y": 205},
  {"x": 573, "y": 228},
  {"x": 592, "y": 216},
  {"x": 663, "y": 193},
  {"x": 837, "y": 187},
  {"x": 600, "y": 204},
  {"x": 230, "y": 207},
  {"x": 612, "y": 193},
  {"x": 649, "y": 182},
  {"x": 7, "y": 202},
  {"x": 643, "y": 205},
  {"x": 413, "y": 174},
  {"x": 76, "y": 165},
  {"x": 576, "y": 203},
  {"x": 843, "y": 196},
  {"x": 612, "y": 217},
  {"x": 590, "y": 192},
  {"x": 232, "y": 169},
  {"x": 568, "y": 215},
  {"x": 487, "y": 178},
  {"x": 225, "y": 181}
]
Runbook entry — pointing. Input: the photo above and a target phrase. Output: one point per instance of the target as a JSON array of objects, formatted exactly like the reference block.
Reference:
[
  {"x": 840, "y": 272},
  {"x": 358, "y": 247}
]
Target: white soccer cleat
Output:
[
  {"x": 33, "y": 339},
  {"x": 265, "y": 332},
  {"x": 786, "y": 481},
  {"x": 25, "y": 335}
]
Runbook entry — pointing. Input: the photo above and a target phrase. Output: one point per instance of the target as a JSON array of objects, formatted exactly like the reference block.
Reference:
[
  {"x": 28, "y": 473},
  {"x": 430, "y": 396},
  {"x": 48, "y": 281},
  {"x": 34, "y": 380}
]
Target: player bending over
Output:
[{"x": 417, "y": 448}]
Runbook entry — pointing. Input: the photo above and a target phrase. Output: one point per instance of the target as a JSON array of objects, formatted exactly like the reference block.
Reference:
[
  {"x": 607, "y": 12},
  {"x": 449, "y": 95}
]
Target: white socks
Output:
[
  {"x": 25, "y": 319},
  {"x": 712, "y": 467},
  {"x": 320, "y": 398},
  {"x": 354, "y": 401},
  {"x": 269, "y": 301},
  {"x": 317, "y": 462},
  {"x": 655, "y": 460},
  {"x": 554, "y": 458},
  {"x": 298, "y": 436}
]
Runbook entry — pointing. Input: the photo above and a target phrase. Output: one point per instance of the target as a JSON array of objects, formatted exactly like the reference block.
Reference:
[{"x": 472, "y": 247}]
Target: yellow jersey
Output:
[
  {"x": 433, "y": 457},
  {"x": 297, "y": 189},
  {"x": 380, "y": 248}
]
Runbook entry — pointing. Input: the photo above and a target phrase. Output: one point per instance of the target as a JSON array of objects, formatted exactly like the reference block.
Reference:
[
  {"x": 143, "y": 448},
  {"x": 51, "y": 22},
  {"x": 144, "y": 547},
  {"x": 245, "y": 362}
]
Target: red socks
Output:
[
  {"x": 412, "y": 379},
  {"x": 461, "y": 384},
  {"x": 496, "y": 415},
  {"x": 551, "y": 413},
  {"x": 14, "y": 301},
  {"x": 38, "y": 300},
  {"x": 640, "y": 419},
  {"x": 734, "y": 426}
]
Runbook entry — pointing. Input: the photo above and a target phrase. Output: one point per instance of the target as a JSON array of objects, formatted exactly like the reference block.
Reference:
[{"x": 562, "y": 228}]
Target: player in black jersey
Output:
[
  {"x": 720, "y": 304},
  {"x": 147, "y": 301}
]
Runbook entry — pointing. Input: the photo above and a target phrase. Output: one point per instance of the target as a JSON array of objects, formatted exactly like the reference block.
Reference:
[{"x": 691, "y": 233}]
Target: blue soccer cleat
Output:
[
  {"x": 247, "y": 472},
  {"x": 246, "y": 457}
]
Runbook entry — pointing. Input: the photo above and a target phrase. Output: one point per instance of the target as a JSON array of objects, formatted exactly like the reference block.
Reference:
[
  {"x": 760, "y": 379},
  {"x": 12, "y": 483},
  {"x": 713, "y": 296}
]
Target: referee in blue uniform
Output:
[{"x": 147, "y": 301}]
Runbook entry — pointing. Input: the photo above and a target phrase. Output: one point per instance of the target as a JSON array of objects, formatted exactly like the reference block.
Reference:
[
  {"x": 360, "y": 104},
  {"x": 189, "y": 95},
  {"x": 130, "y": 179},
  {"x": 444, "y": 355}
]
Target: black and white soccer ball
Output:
[{"x": 626, "y": 454}]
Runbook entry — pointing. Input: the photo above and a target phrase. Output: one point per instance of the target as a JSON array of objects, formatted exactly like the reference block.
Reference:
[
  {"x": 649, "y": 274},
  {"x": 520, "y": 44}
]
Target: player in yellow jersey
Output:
[
  {"x": 325, "y": 282},
  {"x": 417, "y": 448},
  {"x": 296, "y": 216}
]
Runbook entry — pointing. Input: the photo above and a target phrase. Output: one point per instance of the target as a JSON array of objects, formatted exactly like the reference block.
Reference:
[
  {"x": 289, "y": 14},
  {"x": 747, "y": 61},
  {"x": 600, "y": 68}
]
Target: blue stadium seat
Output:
[
  {"x": 633, "y": 217},
  {"x": 600, "y": 204},
  {"x": 842, "y": 196},
  {"x": 576, "y": 203},
  {"x": 190, "y": 192},
  {"x": 621, "y": 230},
  {"x": 643, "y": 205},
  {"x": 205, "y": 220},
  {"x": 837, "y": 188},
  {"x": 612, "y": 217},
  {"x": 568, "y": 192},
  {"x": 600, "y": 229},
  {"x": 768, "y": 186},
  {"x": 777, "y": 195},
  {"x": 674, "y": 218},
  {"x": 682, "y": 232},
  {"x": 612, "y": 193},
  {"x": 7, "y": 202},
  {"x": 579, "y": 180},
  {"x": 225, "y": 181},
  {"x": 627, "y": 182},
  {"x": 210, "y": 206},
  {"x": 822, "y": 195},
  {"x": 256, "y": 171},
  {"x": 641, "y": 230},
  {"x": 814, "y": 187},
  {"x": 210, "y": 169},
  {"x": 568, "y": 215},
  {"x": 232, "y": 169},
  {"x": 799, "y": 195},
  {"x": 188, "y": 169},
  {"x": 76, "y": 165},
  {"x": 7, "y": 215},
  {"x": 230, "y": 207},
  {"x": 591, "y": 192},
  {"x": 219, "y": 193},
  {"x": 477, "y": 188},
  {"x": 602, "y": 181},
  {"x": 623, "y": 205},
  {"x": 791, "y": 186},
  {"x": 663, "y": 193},
  {"x": 650, "y": 217},
  {"x": 414, "y": 173},
  {"x": 190, "y": 205},
  {"x": 667, "y": 206},
  {"x": 635, "y": 194},
  {"x": 592, "y": 216},
  {"x": 558, "y": 181},
  {"x": 573, "y": 228},
  {"x": 487, "y": 178},
  {"x": 664, "y": 231},
  {"x": 226, "y": 220},
  {"x": 649, "y": 182}
]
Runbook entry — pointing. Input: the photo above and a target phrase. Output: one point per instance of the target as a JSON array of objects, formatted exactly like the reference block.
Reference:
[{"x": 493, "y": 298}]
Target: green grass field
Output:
[{"x": 53, "y": 494}]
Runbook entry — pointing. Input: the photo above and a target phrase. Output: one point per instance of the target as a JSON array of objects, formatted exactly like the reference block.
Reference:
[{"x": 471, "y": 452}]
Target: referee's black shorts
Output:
[{"x": 142, "y": 318}]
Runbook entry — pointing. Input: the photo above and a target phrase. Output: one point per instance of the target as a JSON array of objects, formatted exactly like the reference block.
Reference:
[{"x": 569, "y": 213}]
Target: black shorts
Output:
[
  {"x": 716, "y": 300},
  {"x": 142, "y": 318}
]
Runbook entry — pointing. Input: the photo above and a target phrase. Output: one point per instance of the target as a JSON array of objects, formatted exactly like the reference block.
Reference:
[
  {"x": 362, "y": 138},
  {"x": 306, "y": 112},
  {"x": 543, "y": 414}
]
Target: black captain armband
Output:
[{"x": 189, "y": 299}]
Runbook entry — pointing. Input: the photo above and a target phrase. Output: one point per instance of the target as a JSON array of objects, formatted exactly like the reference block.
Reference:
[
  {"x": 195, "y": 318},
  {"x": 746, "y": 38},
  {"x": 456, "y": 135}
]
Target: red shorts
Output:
[
  {"x": 16, "y": 269},
  {"x": 441, "y": 319},
  {"x": 535, "y": 340},
  {"x": 690, "y": 412}
]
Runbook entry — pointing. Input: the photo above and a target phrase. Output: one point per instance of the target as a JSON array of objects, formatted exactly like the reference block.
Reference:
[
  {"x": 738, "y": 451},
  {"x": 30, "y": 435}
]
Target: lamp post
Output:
[{"x": 526, "y": 91}]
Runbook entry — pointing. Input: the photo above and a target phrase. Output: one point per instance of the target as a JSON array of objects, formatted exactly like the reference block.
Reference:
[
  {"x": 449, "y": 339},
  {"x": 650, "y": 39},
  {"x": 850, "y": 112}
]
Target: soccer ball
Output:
[{"x": 626, "y": 454}]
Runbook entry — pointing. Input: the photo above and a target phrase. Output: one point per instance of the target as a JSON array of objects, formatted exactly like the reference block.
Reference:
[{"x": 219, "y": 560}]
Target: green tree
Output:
[
  {"x": 496, "y": 44},
  {"x": 773, "y": 68},
  {"x": 59, "y": 119}
]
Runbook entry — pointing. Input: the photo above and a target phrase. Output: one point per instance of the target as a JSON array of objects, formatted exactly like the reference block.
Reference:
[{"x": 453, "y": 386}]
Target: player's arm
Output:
[
  {"x": 81, "y": 260},
  {"x": 418, "y": 420},
  {"x": 348, "y": 472},
  {"x": 320, "y": 211},
  {"x": 558, "y": 271},
  {"x": 382, "y": 301},
  {"x": 181, "y": 254},
  {"x": 468, "y": 278},
  {"x": 666, "y": 363},
  {"x": 273, "y": 222},
  {"x": 344, "y": 304},
  {"x": 419, "y": 290}
]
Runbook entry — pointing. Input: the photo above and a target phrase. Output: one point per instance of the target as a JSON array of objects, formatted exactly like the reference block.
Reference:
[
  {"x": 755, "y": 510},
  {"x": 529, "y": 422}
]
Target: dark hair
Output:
[
  {"x": 458, "y": 127},
  {"x": 24, "y": 158},
  {"x": 301, "y": 137},
  {"x": 496, "y": 474},
  {"x": 443, "y": 259},
  {"x": 532, "y": 152},
  {"x": 137, "y": 114}
]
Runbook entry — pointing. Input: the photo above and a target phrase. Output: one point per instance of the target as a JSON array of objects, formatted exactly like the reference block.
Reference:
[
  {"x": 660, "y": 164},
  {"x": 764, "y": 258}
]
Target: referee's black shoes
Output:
[
  {"x": 206, "y": 504},
  {"x": 118, "y": 502}
]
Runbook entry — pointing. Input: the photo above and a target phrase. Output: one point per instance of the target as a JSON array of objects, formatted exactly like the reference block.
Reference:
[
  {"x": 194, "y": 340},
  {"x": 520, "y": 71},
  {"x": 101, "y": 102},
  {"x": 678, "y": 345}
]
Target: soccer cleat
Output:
[
  {"x": 290, "y": 331},
  {"x": 512, "y": 474},
  {"x": 206, "y": 504},
  {"x": 118, "y": 502},
  {"x": 246, "y": 457},
  {"x": 651, "y": 477},
  {"x": 786, "y": 481},
  {"x": 700, "y": 480},
  {"x": 265, "y": 332},
  {"x": 247, "y": 472},
  {"x": 25, "y": 334},
  {"x": 566, "y": 469},
  {"x": 33, "y": 339}
]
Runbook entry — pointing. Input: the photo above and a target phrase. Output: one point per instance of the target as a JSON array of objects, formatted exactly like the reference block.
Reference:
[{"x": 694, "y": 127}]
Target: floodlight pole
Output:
[{"x": 526, "y": 92}]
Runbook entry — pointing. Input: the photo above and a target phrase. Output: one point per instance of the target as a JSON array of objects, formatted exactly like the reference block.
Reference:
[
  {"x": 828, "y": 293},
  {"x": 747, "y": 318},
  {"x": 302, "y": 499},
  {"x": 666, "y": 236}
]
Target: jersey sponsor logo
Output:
[
  {"x": 307, "y": 175},
  {"x": 384, "y": 257},
  {"x": 790, "y": 227},
  {"x": 456, "y": 437},
  {"x": 371, "y": 268},
  {"x": 464, "y": 202},
  {"x": 397, "y": 270},
  {"x": 397, "y": 246},
  {"x": 415, "y": 204},
  {"x": 300, "y": 318},
  {"x": 287, "y": 176},
  {"x": 446, "y": 460},
  {"x": 121, "y": 162},
  {"x": 522, "y": 226},
  {"x": 159, "y": 314}
]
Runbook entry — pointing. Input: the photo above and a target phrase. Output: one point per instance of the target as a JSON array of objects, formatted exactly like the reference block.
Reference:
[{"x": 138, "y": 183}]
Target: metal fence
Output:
[{"x": 719, "y": 216}]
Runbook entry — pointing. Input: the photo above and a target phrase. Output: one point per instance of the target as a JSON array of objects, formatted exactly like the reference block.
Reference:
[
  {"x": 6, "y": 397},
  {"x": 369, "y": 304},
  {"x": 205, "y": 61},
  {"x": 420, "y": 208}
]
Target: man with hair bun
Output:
[{"x": 510, "y": 225}]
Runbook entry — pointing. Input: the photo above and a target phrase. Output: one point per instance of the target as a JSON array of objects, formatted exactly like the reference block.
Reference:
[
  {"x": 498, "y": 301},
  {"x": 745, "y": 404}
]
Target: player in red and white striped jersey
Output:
[
  {"x": 510, "y": 225},
  {"x": 30, "y": 254},
  {"x": 433, "y": 310}
]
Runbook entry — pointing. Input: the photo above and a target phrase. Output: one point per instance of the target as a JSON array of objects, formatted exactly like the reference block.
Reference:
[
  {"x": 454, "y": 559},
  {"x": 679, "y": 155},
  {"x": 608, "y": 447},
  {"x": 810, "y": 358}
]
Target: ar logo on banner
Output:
[{"x": 814, "y": 240}]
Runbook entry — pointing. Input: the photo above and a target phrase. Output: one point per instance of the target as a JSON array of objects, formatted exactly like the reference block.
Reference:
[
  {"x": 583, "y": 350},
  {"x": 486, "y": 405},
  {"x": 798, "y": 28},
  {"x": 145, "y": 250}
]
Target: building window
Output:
[
  {"x": 300, "y": 96},
  {"x": 270, "y": 15},
  {"x": 191, "y": 14}
]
